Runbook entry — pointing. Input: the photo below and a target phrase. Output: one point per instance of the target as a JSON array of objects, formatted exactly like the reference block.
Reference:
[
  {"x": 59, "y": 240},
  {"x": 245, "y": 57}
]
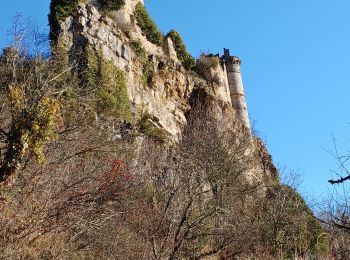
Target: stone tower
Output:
[{"x": 233, "y": 68}]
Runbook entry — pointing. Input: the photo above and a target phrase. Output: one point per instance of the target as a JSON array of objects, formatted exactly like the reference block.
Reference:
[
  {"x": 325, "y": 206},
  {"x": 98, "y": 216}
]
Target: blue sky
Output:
[{"x": 296, "y": 57}]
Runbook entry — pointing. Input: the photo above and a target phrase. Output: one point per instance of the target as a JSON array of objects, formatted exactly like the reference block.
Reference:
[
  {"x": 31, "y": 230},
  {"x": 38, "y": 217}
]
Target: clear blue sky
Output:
[{"x": 296, "y": 61}]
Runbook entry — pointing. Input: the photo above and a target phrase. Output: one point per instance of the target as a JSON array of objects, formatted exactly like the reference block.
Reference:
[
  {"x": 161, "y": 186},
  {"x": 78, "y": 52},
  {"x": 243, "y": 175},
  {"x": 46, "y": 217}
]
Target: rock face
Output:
[{"x": 164, "y": 95}]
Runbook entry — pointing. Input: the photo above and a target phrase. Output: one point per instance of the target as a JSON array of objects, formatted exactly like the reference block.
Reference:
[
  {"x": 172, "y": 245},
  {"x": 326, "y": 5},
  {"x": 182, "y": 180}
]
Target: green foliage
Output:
[
  {"x": 112, "y": 5},
  {"x": 110, "y": 85},
  {"x": 147, "y": 25},
  {"x": 147, "y": 65},
  {"x": 59, "y": 11},
  {"x": 148, "y": 128},
  {"x": 182, "y": 54}
]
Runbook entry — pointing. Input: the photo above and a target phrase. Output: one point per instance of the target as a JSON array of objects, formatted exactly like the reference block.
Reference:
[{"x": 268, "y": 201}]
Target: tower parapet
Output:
[{"x": 233, "y": 68}]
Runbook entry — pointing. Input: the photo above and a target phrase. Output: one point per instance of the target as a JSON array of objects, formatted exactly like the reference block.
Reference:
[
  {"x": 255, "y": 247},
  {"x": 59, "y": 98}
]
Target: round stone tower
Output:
[{"x": 233, "y": 68}]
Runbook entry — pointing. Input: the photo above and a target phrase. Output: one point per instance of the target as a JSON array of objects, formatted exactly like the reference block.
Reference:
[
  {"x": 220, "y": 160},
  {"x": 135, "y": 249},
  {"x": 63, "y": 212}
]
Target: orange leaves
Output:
[
  {"x": 119, "y": 171},
  {"x": 116, "y": 179}
]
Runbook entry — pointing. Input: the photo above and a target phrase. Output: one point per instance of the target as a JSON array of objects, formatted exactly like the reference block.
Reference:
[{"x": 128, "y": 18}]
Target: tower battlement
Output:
[
  {"x": 230, "y": 59},
  {"x": 233, "y": 63}
]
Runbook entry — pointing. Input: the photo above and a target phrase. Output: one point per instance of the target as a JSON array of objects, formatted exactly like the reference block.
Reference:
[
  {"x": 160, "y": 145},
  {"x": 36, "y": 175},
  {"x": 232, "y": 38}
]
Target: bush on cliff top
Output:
[
  {"x": 112, "y": 5},
  {"x": 182, "y": 54},
  {"x": 147, "y": 25},
  {"x": 59, "y": 11},
  {"x": 204, "y": 66}
]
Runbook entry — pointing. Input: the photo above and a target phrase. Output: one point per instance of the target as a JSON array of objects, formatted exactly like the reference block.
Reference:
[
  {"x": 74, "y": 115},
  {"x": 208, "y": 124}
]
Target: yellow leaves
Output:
[
  {"x": 38, "y": 150},
  {"x": 24, "y": 142},
  {"x": 43, "y": 126},
  {"x": 16, "y": 97},
  {"x": 36, "y": 123}
]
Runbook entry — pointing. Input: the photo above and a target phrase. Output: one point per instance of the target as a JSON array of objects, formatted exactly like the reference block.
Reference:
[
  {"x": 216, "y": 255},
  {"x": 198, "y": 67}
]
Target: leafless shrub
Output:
[{"x": 206, "y": 66}]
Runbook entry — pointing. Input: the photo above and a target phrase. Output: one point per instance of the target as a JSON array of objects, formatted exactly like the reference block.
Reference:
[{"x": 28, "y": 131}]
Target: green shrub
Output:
[
  {"x": 109, "y": 83},
  {"x": 59, "y": 11},
  {"x": 147, "y": 65},
  {"x": 112, "y": 5},
  {"x": 182, "y": 54},
  {"x": 148, "y": 128},
  {"x": 113, "y": 94},
  {"x": 147, "y": 25}
]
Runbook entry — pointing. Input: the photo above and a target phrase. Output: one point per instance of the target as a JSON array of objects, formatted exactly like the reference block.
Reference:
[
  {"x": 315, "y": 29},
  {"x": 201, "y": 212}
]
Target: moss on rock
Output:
[{"x": 149, "y": 128}]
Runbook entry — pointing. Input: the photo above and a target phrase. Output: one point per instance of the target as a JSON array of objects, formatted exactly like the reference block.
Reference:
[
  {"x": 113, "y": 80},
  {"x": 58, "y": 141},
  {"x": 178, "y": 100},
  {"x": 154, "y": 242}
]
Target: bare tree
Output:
[{"x": 195, "y": 201}]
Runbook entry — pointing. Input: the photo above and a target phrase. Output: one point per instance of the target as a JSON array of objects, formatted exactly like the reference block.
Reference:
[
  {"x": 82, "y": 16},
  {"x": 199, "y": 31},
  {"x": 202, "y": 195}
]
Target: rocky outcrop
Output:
[{"x": 164, "y": 94}]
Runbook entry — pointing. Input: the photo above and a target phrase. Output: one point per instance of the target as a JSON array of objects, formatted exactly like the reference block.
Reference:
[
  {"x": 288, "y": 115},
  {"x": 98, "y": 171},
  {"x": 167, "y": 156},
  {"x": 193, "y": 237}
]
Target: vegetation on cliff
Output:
[
  {"x": 147, "y": 25},
  {"x": 142, "y": 56},
  {"x": 205, "y": 66},
  {"x": 182, "y": 54},
  {"x": 59, "y": 11},
  {"x": 108, "y": 83},
  {"x": 76, "y": 183},
  {"x": 149, "y": 128},
  {"x": 112, "y": 5},
  {"x": 102, "y": 197}
]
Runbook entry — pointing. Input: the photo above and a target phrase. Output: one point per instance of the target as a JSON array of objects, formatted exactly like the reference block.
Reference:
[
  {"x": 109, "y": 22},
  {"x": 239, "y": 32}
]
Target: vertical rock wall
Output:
[{"x": 165, "y": 97}]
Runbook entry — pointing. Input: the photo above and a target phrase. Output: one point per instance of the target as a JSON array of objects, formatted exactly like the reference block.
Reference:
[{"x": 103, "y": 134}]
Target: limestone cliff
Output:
[{"x": 158, "y": 84}]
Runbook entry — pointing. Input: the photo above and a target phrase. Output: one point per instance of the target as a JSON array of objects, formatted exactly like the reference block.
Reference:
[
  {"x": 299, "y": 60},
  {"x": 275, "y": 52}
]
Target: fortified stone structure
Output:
[{"x": 238, "y": 100}]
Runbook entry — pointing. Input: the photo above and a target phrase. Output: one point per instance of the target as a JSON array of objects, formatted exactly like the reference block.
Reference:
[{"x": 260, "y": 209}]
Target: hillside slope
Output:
[{"x": 122, "y": 146}]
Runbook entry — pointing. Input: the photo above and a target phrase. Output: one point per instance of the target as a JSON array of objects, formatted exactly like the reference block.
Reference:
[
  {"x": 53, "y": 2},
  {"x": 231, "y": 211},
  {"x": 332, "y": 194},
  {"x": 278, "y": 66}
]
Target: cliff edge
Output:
[{"x": 159, "y": 82}]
